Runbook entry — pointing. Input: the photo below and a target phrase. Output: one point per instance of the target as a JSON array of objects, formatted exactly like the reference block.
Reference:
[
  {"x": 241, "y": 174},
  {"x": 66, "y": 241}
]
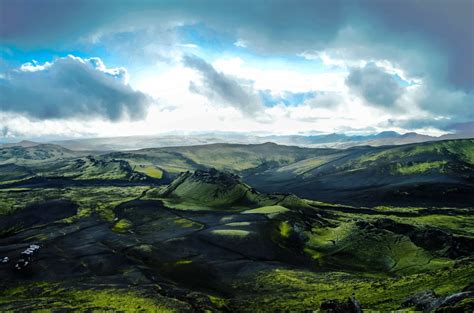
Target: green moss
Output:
[
  {"x": 369, "y": 250},
  {"x": 285, "y": 229},
  {"x": 219, "y": 303},
  {"x": 47, "y": 297},
  {"x": 14, "y": 199},
  {"x": 103, "y": 200},
  {"x": 267, "y": 210},
  {"x": 238, "y": 224},
  {"x": 462, "y": 148},
  {"x": 122, "y": 225},
  {"x": 145, "y": 248},
  {"x": 283, "y": 290},
  {"x": 186, "y": 223},
  {"x": 303, "y": 166},
  {"x": 149, "y": 170},
  {"x": 106, "y": 213},
  {"x": 419, "y": 167},
  {"x": 118, "y": 300},
  {"x": 213, "y": 195},
  {"x": 456, "y": 220},
  {"x": 185, "y": 205},
  {"x": 315, "y": 255},
  {"x": 39, "y": 237},
  {"x": 183, "y": 262},
  {"x": 231, "y": 232},
  {"x": 83, "y": 212},
  {"x": 458, "y": 224}
]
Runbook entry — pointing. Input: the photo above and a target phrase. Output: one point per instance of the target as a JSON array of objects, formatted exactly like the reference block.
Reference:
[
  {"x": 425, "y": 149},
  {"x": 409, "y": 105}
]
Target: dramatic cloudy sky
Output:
[{"x": 109, "y": 68}]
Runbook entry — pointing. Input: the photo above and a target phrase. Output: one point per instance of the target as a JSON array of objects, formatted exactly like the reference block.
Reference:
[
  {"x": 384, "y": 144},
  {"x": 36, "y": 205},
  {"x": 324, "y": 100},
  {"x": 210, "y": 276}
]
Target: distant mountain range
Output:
[{"x": 340, "y": 141}]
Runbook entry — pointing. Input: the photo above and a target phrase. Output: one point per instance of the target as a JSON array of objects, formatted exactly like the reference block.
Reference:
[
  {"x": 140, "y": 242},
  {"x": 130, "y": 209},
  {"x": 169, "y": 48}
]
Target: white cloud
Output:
[
  {"x": 279, "y": 80},
  {"x": 71, "y": 87},
  {"x": 188, "y": 45},
  {"x": 241, "y": 43},
  {"x": 33, "y": 66},
  {"x": 224, "y": 89},
  {"x": 334, "y": 109},
  {"x": 375, "y": 85}
]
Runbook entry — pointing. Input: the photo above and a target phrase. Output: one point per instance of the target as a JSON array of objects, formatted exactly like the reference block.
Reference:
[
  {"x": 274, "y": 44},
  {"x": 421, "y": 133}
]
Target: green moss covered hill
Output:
[{"x": 238, "y": 228}]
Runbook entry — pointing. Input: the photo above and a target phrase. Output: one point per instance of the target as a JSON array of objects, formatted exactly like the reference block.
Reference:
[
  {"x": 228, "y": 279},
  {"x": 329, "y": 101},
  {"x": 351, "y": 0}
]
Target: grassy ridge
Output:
[
  {"x": 419, "y": 168},
  {"x": 354, "y": 174},
  {"x": 370, "y": 250},
  {"x": 32, "y": 155},
  {"x": 297, "y": 290},
  {"x": 463, "y": 149},
  {"x": 55, "y": 296}
]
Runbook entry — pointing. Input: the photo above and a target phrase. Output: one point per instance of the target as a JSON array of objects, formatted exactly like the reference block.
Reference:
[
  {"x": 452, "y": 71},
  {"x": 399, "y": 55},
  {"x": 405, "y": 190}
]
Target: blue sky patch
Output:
[{"x": 287, "y": 98}]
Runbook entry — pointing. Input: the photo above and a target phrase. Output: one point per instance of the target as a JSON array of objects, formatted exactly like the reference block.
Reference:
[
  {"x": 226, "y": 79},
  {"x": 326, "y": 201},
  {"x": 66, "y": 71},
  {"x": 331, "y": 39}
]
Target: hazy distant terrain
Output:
[
  {"x": 235, "y": 227},
  {"x": 315, "y": 141}
]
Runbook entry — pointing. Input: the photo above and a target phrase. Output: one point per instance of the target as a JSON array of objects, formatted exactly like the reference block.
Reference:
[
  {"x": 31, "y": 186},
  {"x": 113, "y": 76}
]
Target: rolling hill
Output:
[
  {"x": 42, "y": 161},
  {"x": 34, "y": 153},
  {"x": 359, "y": 175},
  {"x": 436, "y": 173},
  {"x": 364, "y": 175}
]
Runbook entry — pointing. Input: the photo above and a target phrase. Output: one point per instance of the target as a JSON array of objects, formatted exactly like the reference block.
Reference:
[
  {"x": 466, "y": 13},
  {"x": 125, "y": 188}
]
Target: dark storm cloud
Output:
[
  {"x": 447, "y": 110},
  {"x": 36, "y": 22},
  {"x": 25, "y": 20},
  {"x": 465, "y": 128},
  {"x": 222, "y": 87},
  {"x": 71, "y": 87},
  {"x": 416, "y": 123},
  {"x": 445, "y": 27},
  {"x": 429, "y": 40},
  {"x": 375, "y": 85},
  {"x": 451, "y": 103}
]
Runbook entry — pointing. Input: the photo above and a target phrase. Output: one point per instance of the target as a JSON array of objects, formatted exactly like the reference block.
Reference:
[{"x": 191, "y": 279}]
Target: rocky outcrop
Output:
[
  {"x": 351, "y": 305},
  {"x": 458, "y": 302},
  {"x": 428, "y": 301},
  {"x": 211, "y": 188},
  {"x": 434, "y": 240},
  {"x": 213, "y": 176},
  {"x": 425, "y": 301}
]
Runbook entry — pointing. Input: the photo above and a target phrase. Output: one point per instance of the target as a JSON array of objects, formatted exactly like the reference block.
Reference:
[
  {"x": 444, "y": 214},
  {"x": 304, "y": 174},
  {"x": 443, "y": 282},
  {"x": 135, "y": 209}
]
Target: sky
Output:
[{"x": 72, "y": 69}]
